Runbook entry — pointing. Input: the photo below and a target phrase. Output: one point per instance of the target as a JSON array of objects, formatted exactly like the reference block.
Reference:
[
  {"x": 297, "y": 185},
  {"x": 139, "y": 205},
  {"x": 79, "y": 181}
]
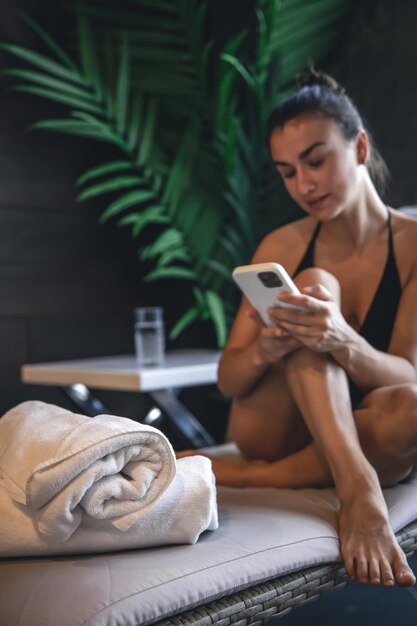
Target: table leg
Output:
[
  {"x": 84, "y": 400},
  {"x": 194, "y": 433},
  {"x": 167, "y": 405}
]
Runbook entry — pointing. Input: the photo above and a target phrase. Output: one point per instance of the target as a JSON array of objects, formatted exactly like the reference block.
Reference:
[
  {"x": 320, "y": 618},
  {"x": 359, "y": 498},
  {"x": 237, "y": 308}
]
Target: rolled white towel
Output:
[
  {"x": 72, "y": 484},
  {"x": 61, "y": 466}
]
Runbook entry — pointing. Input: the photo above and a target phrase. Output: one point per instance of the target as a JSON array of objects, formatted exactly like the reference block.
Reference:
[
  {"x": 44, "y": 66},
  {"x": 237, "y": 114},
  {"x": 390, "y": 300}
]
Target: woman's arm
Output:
[
  {"x": 324, "y": 329},
  {"x": 370, "y": 368},
  {"x": 240, "y": 366},
  {"x": 251, "y": 349}
]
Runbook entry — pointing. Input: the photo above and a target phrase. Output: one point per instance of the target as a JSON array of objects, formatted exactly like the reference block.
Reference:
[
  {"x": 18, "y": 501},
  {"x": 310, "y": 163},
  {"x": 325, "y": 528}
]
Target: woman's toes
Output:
[
  {"x": 362, "y": 570},
  {"x": 374, "y": 572},
  {"x": 405, "y": 577},
  {"x": 403, "y": 574},
  {"x": 387, "y": 577},
  {"x": 349, "y": 564}
]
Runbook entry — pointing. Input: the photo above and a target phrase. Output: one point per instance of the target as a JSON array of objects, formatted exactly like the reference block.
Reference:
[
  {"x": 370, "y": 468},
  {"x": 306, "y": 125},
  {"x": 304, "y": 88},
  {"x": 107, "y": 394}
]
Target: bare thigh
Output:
[
  {"x": 267, "y": 424},
  {"x": 387, "y": 429}
]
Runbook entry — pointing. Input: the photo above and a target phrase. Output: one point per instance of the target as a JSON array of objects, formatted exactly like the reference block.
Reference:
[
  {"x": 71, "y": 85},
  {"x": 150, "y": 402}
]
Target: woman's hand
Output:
[
  {"x": 272, "y": 343},
  {"x": 320, "y": 325}
]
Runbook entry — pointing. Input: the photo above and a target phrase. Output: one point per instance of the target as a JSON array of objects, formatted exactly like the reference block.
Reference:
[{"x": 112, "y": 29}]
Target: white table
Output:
[{"x": 121, "y": 373}]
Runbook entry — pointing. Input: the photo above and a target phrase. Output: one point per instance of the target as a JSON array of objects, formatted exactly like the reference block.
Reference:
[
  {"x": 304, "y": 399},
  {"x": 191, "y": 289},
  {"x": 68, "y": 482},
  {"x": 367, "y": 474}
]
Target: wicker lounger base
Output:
[{"x": 277, "y": 597}]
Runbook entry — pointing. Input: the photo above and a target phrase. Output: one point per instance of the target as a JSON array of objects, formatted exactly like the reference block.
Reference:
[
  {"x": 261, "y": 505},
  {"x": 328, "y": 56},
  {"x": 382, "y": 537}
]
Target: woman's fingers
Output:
[
  {"x": 316, "y": 305},
  {"x": 254, "y": 315},
  {"x": 310, "y": 298},
  {"x": 271, "y": 332},
  {"x": 317, "y": 291},
  {"x": 276, "y": 335},
  {"x": 304, "y": 330},
  {"x": 284, "y": 317},
  {"x": 274, "y": 343}
]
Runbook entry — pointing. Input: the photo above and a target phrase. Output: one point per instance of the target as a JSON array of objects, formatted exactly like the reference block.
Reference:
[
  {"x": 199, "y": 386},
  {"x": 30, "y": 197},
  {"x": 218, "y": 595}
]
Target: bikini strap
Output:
[
  {"x": 390, "y": 235},
  {"x": 308, "y": 258}
]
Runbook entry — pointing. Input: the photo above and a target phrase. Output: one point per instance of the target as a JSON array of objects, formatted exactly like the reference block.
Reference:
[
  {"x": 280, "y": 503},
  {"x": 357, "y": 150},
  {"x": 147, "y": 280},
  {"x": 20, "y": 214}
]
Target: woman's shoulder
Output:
[
  {"x": 404, "y": 217},
  {"x": 404, "y": 228},
  {"x": 286, "y": 243}
]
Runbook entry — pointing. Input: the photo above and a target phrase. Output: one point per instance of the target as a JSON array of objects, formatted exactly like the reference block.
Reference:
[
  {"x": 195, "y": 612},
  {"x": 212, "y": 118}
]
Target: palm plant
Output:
[{"x": 187, "y": 126}]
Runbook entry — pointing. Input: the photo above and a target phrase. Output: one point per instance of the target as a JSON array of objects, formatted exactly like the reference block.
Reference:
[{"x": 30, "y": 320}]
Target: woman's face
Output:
[{"x": 320, "y": 168}]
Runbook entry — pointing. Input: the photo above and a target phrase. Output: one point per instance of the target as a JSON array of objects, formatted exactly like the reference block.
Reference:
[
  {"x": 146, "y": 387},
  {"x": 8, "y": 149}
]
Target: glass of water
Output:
[{"x": 149, "y": 336}]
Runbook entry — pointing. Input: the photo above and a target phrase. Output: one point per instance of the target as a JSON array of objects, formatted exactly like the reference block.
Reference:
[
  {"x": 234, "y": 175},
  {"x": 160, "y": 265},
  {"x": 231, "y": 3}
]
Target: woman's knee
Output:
[
  {"x": 400, "y": 399},
  {"x": 316, "y": 275},
  {"x": 394, "y": 412},
  {"x": 268, "y": 434}
]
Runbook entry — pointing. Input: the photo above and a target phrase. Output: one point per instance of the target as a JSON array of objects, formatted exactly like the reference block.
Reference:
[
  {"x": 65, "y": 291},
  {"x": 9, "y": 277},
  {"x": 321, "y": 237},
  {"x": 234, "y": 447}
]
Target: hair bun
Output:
[{"x": 312, "y": 77}]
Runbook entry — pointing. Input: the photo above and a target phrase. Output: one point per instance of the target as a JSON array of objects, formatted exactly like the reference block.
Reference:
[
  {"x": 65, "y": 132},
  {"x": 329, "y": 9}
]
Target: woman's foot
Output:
[
  {"x": 369, "y": 548},
  {"x": 231, "y": 472}
]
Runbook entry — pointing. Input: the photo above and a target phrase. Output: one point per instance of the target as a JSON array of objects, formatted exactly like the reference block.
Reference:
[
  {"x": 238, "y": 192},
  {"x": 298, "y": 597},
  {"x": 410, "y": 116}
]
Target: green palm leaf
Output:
[
  {"x": 112, "y": 184},
  {"x": 123, "y": 86},
  {"x": 105, "y": 168},
  {"x": 190, "y": 316},
  {"x": 223, "y": 270},
  {"x": 173, "y": 254},
  {"x": 71, "y": 127},
  {"x": 126, "y": 201},
  {"x": 216, "y": 309},
  {"x": 153, "y": 214},
  {"x": 55, "y": 84},
  {"x": 51, "y": 43},
  {"x": 62, "y": 98},
  {"x": 104, "y": 128},
  {"x": 187, "y": 126},
  {"x": 133, "y": 128},
  {"x": 88, "y": 53},
  {"x": 240, "y": 69},
  {"x": 168, "y": 239},
  {"x": 42, "y": 62},
  {"x": 147, "y": 138},
  {"x": 182, "y": 166},
  {"x": 171, "y": 272}
]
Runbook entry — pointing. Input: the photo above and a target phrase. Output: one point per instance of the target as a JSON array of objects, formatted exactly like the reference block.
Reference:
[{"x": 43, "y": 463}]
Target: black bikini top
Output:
[{"x": 379, "y": 321}]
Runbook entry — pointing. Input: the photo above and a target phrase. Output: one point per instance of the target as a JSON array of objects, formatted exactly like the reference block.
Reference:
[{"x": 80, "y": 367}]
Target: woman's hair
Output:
[{"x": 319, "y": 94}]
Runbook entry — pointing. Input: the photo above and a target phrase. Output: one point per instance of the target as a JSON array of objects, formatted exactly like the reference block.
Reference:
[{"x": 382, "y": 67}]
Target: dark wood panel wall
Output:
[
  {"x": 68, "y": 286},
  {"x": 378, "y": 64}
]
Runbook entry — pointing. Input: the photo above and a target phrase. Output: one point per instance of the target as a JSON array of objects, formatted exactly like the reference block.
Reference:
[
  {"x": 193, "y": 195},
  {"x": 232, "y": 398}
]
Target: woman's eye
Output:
[
  {"x": 316, "y": 163},
  {"x": 287, "y": 174}
]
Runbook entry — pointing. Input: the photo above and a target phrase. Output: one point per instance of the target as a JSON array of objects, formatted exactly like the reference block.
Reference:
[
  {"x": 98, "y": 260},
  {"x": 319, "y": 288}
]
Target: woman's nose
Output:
[{"x": 306, "y": 185}]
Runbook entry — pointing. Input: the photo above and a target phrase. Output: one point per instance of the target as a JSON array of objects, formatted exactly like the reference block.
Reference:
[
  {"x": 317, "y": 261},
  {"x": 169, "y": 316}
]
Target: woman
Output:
[{"x": 328, "y": 396}]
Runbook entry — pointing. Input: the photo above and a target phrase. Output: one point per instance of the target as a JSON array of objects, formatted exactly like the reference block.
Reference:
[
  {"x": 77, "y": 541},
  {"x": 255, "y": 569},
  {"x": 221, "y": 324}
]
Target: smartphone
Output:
[{"x": 261, "y": 283}]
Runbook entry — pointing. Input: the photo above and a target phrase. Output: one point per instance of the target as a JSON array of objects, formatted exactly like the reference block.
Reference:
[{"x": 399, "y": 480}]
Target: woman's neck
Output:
[{"x": 364, "y": 219}]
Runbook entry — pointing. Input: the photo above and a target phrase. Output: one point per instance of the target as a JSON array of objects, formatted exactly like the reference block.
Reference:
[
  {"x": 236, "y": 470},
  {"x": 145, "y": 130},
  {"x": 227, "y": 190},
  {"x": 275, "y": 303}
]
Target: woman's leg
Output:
[
  {"x": 319, "y": 389},
  {"x": 387, "y": 428},
  {"x": 267, "y": 423},
  {"x": 368, "y": 545},
  {"x": 386, "y": 424}
]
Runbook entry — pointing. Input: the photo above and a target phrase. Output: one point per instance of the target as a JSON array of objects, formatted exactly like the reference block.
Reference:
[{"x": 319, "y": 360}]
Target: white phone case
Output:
[{"x": 261, "y": 283}]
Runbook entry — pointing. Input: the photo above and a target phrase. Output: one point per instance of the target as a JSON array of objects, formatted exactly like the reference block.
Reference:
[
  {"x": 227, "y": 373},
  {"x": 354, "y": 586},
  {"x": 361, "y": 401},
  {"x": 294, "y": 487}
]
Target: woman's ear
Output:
[{"x": 363, "y": 151}]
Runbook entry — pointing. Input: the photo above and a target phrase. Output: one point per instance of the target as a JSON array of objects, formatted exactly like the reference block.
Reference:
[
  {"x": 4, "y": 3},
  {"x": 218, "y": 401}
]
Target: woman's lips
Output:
[{"x": 316, "y": 202}]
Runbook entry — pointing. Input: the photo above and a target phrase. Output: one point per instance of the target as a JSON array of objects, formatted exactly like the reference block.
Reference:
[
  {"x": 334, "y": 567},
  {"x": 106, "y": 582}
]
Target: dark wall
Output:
[
  {"x": 380, "y": 59},
  {"x": 67, "y": 285}
]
